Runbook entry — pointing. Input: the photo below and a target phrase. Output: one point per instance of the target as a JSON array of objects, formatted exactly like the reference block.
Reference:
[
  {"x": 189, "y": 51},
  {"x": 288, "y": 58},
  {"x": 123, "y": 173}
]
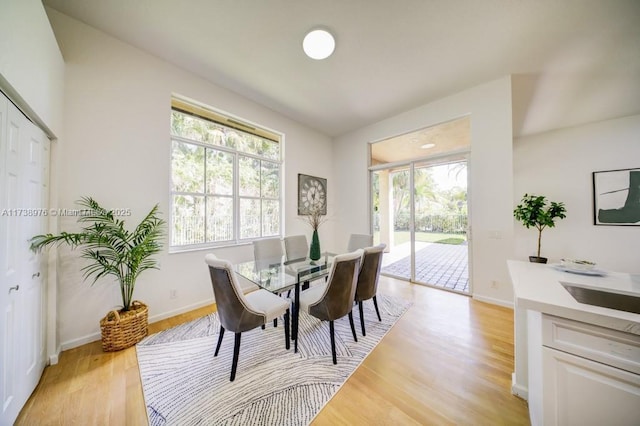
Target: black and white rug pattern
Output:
[{"x": 184, "y": 384}]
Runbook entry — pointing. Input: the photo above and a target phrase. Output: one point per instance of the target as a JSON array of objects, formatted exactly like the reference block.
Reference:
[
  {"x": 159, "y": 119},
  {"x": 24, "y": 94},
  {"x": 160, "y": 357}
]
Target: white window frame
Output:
[{"x": 236, "y": 240}]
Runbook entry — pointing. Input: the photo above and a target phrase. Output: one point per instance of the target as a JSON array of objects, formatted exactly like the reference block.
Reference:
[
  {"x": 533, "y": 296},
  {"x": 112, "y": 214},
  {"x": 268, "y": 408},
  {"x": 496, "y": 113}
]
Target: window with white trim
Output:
[{"x": 225, "y": 179}]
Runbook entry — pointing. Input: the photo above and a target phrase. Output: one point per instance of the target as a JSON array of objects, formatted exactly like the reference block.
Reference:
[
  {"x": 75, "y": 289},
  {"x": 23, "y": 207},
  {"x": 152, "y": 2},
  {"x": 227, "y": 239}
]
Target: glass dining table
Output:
[{"x": 279, "y": 276}]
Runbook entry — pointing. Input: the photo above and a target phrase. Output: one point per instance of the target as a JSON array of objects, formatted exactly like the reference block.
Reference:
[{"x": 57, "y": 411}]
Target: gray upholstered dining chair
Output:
[
  {"x": 268, "y": 251},
  {"x": 367, "y": 286},
  {"x": 239, "y": 312},
  {"x": 245, "y": 285},
  {"x": 296, "y": 247},
  {"x": 334, "y": 299},
  {"x": 359, "y": 241}
]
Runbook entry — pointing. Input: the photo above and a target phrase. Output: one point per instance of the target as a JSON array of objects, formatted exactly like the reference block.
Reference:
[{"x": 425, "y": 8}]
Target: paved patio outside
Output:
[{"x": 440, "y": 265}]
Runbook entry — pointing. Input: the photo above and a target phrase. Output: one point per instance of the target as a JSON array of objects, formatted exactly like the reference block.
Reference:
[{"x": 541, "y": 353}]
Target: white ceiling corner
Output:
[{"x": 572, "y": 62}]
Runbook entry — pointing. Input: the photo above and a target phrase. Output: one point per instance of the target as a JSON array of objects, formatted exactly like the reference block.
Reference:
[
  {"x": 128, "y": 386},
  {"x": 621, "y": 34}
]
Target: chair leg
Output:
[
  {"x": 263, "y": 326},
  {"x": 219, "y": 340},
  {"x": 236, "y": 353},
  {"x": 333, "y": 342},
  {"x": 364, "y": 333},
  {"x": 275, "y": 322},
  {"x": 353, "y": 329},
  {"x": 375, "y": 303},
  {"x": 286, "y": 329}
]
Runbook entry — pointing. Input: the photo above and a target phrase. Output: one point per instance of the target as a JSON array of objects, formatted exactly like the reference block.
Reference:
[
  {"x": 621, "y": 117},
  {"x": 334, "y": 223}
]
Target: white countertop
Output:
[{"x": 537, "y": 287}]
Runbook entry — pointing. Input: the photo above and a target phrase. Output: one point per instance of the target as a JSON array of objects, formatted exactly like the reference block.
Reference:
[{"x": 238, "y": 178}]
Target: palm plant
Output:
[{"x": 112, "y": 249}]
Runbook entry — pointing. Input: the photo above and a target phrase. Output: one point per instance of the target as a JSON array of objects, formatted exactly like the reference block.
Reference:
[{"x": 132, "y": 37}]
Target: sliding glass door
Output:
[
  {"x": 420, "y": 211},
  {"x": 441, "y": 223},
  {"x": 391, "y": 218}
]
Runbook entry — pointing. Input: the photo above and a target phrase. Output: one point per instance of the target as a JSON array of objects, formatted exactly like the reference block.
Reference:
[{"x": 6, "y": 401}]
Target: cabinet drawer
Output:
[{"x": 612, "y": 347}]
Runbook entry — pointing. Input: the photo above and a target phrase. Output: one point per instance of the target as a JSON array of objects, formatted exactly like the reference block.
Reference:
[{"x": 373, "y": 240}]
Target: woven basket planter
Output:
[{"x": 121, "y": 330}]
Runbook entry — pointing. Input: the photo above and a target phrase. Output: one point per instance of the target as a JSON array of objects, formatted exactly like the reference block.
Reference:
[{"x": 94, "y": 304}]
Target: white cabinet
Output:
[
  {"x": 590, "y": 375},
  {"x": 578, "y": 391},
  {"x": 24, "y": 169}
]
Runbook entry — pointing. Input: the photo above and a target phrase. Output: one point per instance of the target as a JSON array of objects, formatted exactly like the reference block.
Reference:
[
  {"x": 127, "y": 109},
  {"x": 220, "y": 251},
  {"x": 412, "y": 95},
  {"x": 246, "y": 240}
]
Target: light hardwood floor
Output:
[{"x": 448, "y": 360}]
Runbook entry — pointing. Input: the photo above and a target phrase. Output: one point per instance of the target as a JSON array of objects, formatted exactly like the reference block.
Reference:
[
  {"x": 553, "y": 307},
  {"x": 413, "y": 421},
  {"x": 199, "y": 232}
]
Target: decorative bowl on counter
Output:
[{"x": 582, "y": 265}]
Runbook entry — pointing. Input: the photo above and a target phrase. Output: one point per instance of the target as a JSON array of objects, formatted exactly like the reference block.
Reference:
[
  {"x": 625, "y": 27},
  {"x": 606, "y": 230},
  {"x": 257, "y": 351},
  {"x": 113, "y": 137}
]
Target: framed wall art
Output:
[
  {"x": 616, "y": 197},
  {"x": 312, "y": 194}
]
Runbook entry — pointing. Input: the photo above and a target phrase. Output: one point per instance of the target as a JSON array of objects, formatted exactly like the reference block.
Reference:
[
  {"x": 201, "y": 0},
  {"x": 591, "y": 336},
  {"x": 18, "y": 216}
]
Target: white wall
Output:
[
  {"x": 30, "y": 62},
  {"x": 117, "y": 149},
  {"x": 490, "y": 171},
  {"x": 559, "y": 165},
  {"x": 32, "y": 75}
]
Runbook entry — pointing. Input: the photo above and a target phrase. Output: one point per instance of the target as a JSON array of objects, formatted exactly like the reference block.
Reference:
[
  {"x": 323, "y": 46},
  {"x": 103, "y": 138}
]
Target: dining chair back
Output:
[
  {"x": 238, "y": 312},
  {"x": 359, "y": 241},
  {"x": 367, "y": 286},
  {"x": 334, "y": 299},
  {"x": 267, "y": 252},
  {"x": 296, "y": 247},
  {"x": 246, "y": 286}
]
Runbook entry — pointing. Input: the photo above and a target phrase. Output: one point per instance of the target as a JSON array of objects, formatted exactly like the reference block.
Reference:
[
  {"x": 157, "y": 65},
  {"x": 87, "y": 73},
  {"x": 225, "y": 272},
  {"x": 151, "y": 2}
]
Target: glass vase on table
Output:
[
  {"x": 315, "y": 218},
  {"x": 314, "y": 249}
]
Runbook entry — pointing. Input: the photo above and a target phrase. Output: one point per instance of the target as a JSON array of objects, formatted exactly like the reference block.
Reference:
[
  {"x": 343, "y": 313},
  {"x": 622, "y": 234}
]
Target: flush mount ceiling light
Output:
[{"x": 318, "y": 44}]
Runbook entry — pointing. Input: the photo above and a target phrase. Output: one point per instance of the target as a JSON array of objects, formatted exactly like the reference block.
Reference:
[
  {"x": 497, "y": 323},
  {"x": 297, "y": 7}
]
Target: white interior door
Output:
[
  {"x": 10, "y": 269},
  {"x": 33, "y": 223},
  {"x": 22, "y": 186}
]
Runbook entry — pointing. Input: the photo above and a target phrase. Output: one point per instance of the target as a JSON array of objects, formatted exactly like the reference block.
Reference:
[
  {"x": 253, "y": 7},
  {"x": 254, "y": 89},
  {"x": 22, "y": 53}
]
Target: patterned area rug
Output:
[{"x": 184, "y": 384}]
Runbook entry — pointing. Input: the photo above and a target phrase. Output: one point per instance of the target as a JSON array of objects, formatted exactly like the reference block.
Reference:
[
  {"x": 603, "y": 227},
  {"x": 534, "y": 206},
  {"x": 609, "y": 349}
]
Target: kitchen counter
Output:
[
  {"x": 568, "y": 353},
  {"x": 537, "y": 287}
]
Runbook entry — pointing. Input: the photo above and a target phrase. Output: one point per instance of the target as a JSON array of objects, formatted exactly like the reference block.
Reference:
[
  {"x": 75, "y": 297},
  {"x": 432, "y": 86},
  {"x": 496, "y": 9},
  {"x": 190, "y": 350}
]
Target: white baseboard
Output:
[
  {"x": 54, "y": 357},
  {"x": 493, "y": 301},
  {"x": 181, "y": 310},
  {"x": 74, "y": 343},
  {"x": 519, "y": 390}
]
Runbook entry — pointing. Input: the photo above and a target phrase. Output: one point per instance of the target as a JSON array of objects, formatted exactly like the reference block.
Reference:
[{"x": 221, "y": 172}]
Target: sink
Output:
[{"x": 605, "y": 299}]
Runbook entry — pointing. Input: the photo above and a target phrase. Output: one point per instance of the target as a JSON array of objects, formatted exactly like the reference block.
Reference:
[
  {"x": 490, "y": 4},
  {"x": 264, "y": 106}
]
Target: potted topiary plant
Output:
[
  {"x": 118, "y": 252},
  {"x": 534, "y": 212}
]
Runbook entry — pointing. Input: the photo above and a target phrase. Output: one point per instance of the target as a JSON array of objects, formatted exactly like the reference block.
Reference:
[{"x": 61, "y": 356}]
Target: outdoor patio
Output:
[{"x": 440, "y": 265}]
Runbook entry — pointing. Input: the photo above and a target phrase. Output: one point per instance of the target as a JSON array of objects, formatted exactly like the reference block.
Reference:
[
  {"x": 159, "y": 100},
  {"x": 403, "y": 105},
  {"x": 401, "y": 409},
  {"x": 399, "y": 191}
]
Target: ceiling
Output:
[
  {"x": 571, "y": 61},
  {"x": 451, "y": 136}
]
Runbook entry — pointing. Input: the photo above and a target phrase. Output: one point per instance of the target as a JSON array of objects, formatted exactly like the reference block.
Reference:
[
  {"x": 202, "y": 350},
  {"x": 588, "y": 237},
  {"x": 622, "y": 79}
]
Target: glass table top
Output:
[{"x": 277, "y": 276}]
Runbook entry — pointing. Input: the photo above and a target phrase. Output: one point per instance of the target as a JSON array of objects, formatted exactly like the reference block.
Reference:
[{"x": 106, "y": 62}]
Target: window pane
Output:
[
  {"x": 249, "y": 177},
  {"x": 188, "y": 126},
  {"x": 219, "y": 219},
  {"x": 219, "y": 172},
  {"x": 249, "y": 218},
  {"x": 183, "y": 125},
  {"x": 198, "y": 129},
  {"x": 270, "y": 179},
  {"x": 233, "y": 139},
  {"x": 187, "y": 167},
  {"x": 270, "y": 149},
  {"x": 246, "y": 143},
  {"x": 270, "y": 218},
  {"x": 188, "y": 220},
  {"x": 209, "y": 183},
  {"x": 254, "y": 144}
]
